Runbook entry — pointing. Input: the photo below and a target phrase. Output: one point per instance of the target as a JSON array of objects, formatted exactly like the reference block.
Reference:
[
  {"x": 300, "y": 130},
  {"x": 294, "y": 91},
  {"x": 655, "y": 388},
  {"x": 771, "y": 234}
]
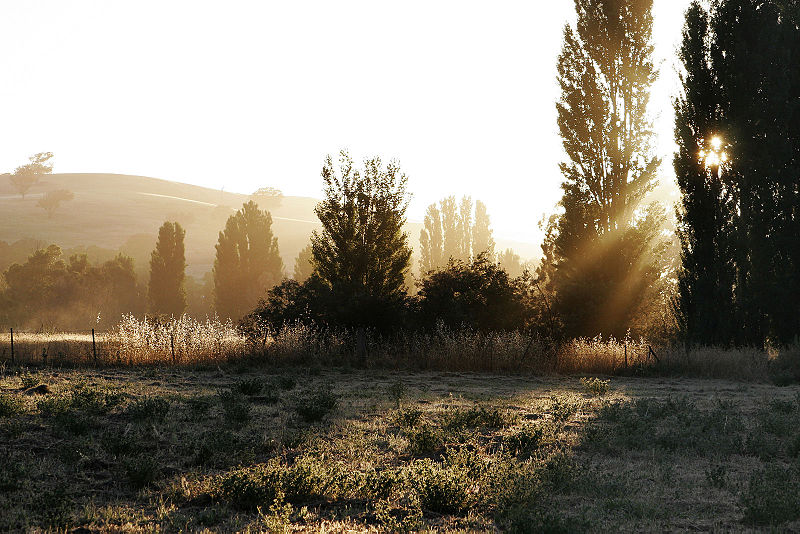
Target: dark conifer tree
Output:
[
  {"x": 739, "y": 222},
  {"x": 362, "y": 254},
  {"x": 166, "y": 293}
]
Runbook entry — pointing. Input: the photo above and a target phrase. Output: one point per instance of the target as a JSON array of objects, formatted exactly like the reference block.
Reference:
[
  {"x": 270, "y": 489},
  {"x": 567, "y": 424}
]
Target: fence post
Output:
[
  {"x": 94, "y": 347},
  {"x": 172, "y": 345},
  {"x": 626, "y": 355},
  {"x": 12, "y": 345}
]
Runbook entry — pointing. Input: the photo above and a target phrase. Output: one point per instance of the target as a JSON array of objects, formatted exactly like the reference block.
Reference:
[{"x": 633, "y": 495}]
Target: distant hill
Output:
[{"x": 117, "y": 211}]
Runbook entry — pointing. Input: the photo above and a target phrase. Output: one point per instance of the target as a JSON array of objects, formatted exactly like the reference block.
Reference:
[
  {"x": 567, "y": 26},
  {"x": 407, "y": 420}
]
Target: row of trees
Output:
[
  {"x": 605, "y": 268},
  {"x": 452, "y": 231},
  {"x": 738, "y": 168}
]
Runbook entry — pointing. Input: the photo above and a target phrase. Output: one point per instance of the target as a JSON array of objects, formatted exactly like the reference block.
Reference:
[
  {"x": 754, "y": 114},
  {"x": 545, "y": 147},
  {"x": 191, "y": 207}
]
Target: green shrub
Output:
[
  {"x": 10, "y": 405},
  {"x": 287, "y": 382},
  {"x": 141, "y": 470},
  {"x": 260, "y": 485},
  {"x": 443, "y": 489},
  {"x": 595, "y": 386},
  {"x": 52, "y": 406},
  {"x": 407, "y": 417},
  {"x": 772, "y": 496},
  {"x": 28, "y": 380},
  {"x": 249, "y": 387},
  {"x": 94, "y": 401},
  {"x": 474, "y": 418},
  {"x": 214, "y": 447},
  {"x": 424, "y": 440},
  {"x": 118, "y": 442},
  {"x": 236, "y": 410},
  {"x": 525, "y": 441},
  {"x": 314, "y": 404},
  {"x": 148, "y": 408},
  {"x": 13, "y": 472}
]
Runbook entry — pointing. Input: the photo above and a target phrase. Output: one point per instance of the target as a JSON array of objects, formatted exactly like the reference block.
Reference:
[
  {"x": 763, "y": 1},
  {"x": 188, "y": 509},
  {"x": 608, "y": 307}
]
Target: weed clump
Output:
[
  {"x": 595, "y": 386},
  {"x": 148, "y": 408},
  {"x": 314, "y": 404},
  {"x": 772, "y": 496},
  {"x": 424, "y": 440},
  {"x": 236, "y": 410},
  {"x": 11, "y": 405},
  {"x": 141, "y": 470},
  {"x": 474, "y": 418}
]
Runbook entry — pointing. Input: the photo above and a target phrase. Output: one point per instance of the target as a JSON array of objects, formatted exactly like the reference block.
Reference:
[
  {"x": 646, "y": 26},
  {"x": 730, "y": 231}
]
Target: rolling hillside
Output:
[{"x": 116, "y": 211}]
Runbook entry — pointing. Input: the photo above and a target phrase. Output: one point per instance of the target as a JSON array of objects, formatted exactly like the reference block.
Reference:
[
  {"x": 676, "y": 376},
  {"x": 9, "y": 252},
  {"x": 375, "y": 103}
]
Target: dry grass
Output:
[
  {"x": 185, "y": 341},
  {"x": 147, "y": 449},
  {"x": 133, "y": 341}
]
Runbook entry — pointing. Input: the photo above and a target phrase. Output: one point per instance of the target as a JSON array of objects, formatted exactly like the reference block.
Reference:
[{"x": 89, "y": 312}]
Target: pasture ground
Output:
[{"x": 238, "y": 448}]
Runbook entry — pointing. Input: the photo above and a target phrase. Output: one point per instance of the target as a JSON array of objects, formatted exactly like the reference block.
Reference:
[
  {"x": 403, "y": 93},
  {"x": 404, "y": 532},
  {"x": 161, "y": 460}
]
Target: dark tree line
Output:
[{"x": 738, "y": 168}]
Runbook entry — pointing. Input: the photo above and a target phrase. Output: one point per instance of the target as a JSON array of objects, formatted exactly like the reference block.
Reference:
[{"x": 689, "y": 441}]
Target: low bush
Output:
[
  {"x": 10, "y": 405},
  {"x": 772, "y": 496},
  {"x": 147, "y": 408},
  {"x": 313, "y": 405}
]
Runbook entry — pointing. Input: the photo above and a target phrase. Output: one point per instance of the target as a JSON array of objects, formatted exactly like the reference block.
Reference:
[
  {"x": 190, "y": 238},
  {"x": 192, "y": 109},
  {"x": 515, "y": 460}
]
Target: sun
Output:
[{"x": 715, "y": 156}]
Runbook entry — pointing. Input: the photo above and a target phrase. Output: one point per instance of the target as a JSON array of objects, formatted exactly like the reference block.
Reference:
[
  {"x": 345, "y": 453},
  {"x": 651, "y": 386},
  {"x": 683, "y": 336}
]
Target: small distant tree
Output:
[
  {"x": 167, "y": 294},
  {"x": 267, "y": 196},
  {"x": 53, "y": 199},
  {"x": 304, "y": 264},
  {"x": 510, "y": 263},
  {"x": 24, "y": 177},
  {"x": 362, "y": 253},
  {"x": 248, "y": 261}
]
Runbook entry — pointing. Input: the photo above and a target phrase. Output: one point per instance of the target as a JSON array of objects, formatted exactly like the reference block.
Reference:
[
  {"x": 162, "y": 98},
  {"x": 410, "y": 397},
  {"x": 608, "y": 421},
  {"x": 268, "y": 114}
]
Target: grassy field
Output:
[{"x": 238, "y": 448}]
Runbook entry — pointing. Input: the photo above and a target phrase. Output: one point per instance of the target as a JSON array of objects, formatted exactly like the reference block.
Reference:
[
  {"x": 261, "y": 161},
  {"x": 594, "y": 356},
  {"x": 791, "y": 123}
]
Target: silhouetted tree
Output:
[
  {"x": 602, "y": 246},
  {"x": 24, "y": 177},
  {"x": 478, "y": 294},
  {"x": 167, "y": 293},
  {"x": 247, "y": 262},
  {"x": 362, "y": 253},
  {"x": 304, "y": 264},
  {"x": 53, "y": 199},
  {"x": 746, "y": 209},
  {"x": 706, "y": 308}
]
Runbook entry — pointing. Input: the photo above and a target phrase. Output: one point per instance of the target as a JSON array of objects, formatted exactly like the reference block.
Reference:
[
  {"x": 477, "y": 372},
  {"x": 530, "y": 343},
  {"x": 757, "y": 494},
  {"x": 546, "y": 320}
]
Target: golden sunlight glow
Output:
[{"x": 714, "y": 156}]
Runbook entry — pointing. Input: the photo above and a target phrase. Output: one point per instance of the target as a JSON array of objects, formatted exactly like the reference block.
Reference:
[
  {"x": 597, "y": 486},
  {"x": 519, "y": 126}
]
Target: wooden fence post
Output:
[
  {"x": 12, "y": 345},
  {"x": 172, "y": 345},
  {"x": 94, "y": 347}
]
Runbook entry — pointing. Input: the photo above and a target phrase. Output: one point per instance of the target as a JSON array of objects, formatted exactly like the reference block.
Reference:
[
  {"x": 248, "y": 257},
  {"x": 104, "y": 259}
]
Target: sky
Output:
[{"x": 240, "y": 95}]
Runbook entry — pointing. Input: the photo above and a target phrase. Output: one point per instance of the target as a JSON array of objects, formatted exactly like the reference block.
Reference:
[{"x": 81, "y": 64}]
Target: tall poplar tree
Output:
[
  {"x": 166, "y": 292},
  {"x": 602, "y": 246},
  {"x": 248, "y": 261},
  {"x": 482, "y": 240}
]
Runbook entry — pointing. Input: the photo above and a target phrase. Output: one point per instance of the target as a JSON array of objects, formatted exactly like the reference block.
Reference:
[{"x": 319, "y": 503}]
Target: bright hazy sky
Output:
[{"x": 241, "y": 94}]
